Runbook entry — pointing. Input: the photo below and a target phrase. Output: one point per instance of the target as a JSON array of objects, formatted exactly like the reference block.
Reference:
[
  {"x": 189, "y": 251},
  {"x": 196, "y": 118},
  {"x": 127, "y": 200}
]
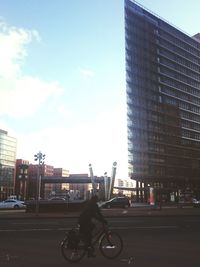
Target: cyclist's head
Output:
[{"x": 95, "y": 198}]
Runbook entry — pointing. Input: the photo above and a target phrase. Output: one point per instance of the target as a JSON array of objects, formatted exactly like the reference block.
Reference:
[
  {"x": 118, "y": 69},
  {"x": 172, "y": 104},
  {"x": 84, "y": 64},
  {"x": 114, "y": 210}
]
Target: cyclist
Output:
[{"x": 90, "y": 212}]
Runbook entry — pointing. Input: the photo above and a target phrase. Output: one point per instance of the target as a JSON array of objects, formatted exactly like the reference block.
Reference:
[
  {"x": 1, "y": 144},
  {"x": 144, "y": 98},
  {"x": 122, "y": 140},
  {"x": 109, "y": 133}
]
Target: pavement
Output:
[{"x": 137, "y": 209}]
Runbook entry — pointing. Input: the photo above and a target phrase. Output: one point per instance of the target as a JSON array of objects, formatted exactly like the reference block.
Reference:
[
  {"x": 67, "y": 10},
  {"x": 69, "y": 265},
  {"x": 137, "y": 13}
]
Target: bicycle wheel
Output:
[
  {"x": 72, "y": 254},
  {"x": 111, "y": 245}
]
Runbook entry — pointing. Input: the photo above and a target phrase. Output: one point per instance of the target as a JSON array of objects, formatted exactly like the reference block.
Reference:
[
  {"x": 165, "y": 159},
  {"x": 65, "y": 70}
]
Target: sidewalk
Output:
[{"x": 136, "y": 210}]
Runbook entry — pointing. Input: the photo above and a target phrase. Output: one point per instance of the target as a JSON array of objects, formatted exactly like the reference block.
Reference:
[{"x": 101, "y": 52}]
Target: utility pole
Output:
[{"x": 40, "y": 158}]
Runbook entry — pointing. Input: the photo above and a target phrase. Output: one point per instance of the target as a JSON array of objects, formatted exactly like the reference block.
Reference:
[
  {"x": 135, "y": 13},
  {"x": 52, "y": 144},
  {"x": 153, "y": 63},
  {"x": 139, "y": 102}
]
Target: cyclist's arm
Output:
[{"x": 99, "y": 216}]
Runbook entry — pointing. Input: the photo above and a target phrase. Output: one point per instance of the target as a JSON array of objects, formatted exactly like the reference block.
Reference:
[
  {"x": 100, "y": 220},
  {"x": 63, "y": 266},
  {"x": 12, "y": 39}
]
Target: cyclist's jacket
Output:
[{"x": 91, "y": 211}]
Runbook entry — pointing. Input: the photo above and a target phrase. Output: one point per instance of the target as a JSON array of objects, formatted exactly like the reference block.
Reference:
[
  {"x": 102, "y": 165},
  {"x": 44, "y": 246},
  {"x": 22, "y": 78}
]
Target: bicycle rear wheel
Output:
[
  {"x": 111, "y": 245},
  {"x": 72, "y": 254}
]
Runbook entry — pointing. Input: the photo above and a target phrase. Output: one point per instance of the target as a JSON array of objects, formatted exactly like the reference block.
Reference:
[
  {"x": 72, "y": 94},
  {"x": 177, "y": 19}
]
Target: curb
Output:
[{"x": 132, "y": 212}]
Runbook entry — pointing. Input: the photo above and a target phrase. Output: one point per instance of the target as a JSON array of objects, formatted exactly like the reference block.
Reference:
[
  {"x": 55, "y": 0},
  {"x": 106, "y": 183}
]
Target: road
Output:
[{"x": 167, "y": 241}]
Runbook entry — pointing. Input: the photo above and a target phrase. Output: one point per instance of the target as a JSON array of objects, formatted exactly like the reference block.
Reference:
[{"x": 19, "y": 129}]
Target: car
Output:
[
  {"x": 196, "y": 203},
  {"x": 116, "y": 202},
  {"x": 12, "y": 204}
]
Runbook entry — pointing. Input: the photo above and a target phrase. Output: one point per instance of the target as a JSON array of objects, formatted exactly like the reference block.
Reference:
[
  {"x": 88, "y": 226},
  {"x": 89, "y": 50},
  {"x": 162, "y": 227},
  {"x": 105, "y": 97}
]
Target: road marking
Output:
[
  {"x": 112, "y": 228},
  {"x": 26, "y": 223},
  {"x": 124, "y": 212},
  {"x": 31, "y": 230},
  {"x": 146, "y": 227},
  {"x": 128, "y": 260}
]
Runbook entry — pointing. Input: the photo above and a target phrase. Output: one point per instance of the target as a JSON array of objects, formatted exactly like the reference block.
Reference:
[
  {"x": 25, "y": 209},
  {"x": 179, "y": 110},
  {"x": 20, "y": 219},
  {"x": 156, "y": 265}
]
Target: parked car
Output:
[
  {"x": 12, "y": 204},
  {"x": 116, "y": 202},
  {"x": 196, "y": 203}
]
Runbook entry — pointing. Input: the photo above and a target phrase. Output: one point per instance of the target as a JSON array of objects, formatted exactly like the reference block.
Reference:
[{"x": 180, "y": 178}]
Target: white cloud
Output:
[
  {"x": 13, "y": 43},
  {"x": 66, "y": 113},
  {"x": 20, "y": 95},
  {"x": 75, "y": 148},
  {"x": 23, "y": 96},
  {"x": 86, "y": 73}
]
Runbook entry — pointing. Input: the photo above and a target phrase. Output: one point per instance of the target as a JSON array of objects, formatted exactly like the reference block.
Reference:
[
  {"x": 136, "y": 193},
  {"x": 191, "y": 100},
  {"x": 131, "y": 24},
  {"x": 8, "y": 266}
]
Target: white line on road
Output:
[
  {"x": 148, "y": 227},
  {"x": 32, "y": 230},
  {"x": 66, "y": 229}
]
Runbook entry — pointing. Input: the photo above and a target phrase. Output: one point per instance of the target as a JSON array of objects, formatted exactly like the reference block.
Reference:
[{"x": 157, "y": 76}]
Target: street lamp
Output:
[{"x": 40, "y": 158}]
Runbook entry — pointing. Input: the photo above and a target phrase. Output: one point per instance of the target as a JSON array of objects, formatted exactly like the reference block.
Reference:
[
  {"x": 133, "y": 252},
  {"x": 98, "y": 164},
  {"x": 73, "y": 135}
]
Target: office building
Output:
[
  {"x": 21, "y": 179},
  {"x": 60, "y": 189},
  {"x": 163, "y": 98},
  {"x": 8, "y": 147},
  {"x": 44, "y": 170}
]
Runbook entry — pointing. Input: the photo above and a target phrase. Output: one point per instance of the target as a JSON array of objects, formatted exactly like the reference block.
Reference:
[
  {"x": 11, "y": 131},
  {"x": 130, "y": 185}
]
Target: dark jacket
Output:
[{"x": 91, "y": 211}]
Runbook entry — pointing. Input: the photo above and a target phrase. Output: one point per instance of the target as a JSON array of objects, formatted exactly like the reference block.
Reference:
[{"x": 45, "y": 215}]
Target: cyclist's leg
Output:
[
  {"x": 90, "y": 247},
  {"x": 86, "y": 233}
]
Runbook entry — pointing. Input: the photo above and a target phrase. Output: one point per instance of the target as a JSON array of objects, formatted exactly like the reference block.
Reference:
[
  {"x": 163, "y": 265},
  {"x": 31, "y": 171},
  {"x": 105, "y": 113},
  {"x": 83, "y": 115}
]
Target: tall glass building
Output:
[
  {"x": 163, "y": 98},
  {"x": 8, "y": 147}
]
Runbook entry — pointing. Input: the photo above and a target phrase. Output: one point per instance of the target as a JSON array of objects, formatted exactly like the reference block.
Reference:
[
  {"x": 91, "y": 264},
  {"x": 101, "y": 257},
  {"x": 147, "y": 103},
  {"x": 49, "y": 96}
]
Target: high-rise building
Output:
[
  {"x": 8, "y": 147},
  {"x": 163, "y": 98}
]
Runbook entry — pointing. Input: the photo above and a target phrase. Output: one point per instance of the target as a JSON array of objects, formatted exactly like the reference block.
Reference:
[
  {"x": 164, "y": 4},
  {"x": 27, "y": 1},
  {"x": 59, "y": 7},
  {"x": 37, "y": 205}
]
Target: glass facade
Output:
[
  {"x": 8, "y": 146},
  {"x": 163, "y": 98}
]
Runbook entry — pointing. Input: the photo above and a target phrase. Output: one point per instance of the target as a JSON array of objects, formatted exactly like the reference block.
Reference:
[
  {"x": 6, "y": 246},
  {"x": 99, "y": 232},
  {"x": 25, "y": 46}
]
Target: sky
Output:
[{"x": 62, "y": 78}]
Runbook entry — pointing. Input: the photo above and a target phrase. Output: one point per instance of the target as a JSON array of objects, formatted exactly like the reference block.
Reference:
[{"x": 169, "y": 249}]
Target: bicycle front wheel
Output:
[
  {"x": 111, "y": 245},
  {"x": 72, "y": 254}
]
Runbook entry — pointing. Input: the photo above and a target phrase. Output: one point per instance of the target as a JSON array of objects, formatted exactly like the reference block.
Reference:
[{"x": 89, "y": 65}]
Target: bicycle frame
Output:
[
  {"x": 97, "y": 236},
  {"x": 103, "y": 236}
]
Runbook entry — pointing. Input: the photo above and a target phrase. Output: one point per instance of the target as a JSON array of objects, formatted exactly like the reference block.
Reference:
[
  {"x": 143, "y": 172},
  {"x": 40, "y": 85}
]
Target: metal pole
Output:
[
  {"x": 92, "y": 179},
  {"x": 106, "y": 186},
  {"x": 112, "y": 179},
  {"x": 37, "y": 192},
  {"x": 40, "y": 157}
]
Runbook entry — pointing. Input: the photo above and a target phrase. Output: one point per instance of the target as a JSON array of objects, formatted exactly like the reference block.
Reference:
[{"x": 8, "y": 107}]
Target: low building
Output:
[{"x": 45, "y": 170}]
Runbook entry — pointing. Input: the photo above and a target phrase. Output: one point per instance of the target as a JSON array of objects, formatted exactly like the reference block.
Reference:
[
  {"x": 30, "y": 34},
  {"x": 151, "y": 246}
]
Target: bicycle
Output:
[{"x": 109, "y": 243}]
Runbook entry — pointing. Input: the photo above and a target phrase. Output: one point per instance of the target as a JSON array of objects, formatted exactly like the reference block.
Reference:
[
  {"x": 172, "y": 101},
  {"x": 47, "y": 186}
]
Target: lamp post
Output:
[{"x": 40, "y": 158}]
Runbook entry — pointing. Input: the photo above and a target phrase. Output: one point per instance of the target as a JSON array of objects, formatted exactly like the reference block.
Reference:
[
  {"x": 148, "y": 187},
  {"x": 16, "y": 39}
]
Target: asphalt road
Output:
[{"x": 167, "y": 241}]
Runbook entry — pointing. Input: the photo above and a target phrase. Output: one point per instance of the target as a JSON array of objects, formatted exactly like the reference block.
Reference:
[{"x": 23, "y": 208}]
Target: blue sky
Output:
[{"x": 62, "y": 78}]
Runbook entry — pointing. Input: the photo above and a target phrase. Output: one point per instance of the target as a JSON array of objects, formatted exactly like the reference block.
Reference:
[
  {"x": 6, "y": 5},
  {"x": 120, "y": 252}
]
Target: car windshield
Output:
[
  {"x": 117, "y": 199},
  {"x": 113, "y": 199}
]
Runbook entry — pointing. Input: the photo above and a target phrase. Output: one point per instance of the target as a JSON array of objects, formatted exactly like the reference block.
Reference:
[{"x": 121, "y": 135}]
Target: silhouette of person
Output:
[{"x": 90, "y": 212}]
